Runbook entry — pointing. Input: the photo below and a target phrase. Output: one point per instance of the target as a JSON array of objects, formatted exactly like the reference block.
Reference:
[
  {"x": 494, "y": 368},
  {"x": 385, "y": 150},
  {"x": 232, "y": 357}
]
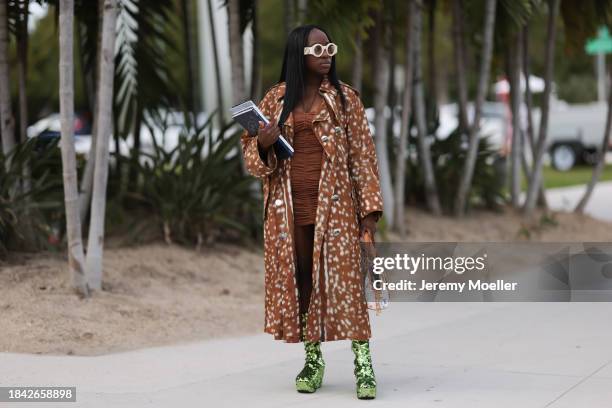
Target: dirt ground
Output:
[{"x": 157, "y": 294}]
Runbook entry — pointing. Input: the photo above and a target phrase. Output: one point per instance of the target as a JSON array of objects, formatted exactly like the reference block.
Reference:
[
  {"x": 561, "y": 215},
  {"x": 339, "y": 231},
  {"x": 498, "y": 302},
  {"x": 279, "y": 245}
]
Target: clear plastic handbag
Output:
[{"x": 377, "y": 299}]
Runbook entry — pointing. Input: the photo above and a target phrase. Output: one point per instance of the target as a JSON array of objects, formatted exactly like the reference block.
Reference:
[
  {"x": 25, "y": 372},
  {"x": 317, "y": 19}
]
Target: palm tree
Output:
[
  {"x": 600, "y": 158},
  {"x": 71, "y": 197},
  {"x": 22, "y": 68},
  {"x": 22, "y": 62},
  {"x": 93, "y": 72},
  {"x": 7, "y": 126},
  {"x": 513, "y": 62},
  {"x": 536, "y": 175},
  {"x": 215, "y": 50},
  {"x": 431, "y": 189},
  {"x": 400, "y": 170},
  {"x": 190, "y": 64},
  {"x": 95, "y": 242},
  {"x": 528, "y": 106},
  {"x": 483, "y": 81},
  {"x": 236, "y": 52},
  {"x": 302, "y": 7},
  {"x": 459, "y": 55},
  {"x": 381, "y": 90},
  {"x": 289, "y": 15},
  {"x": 357, "y": 68},
  {"x": 432, "y": 84},
  {"x": 139, "y": 62},
  {"x": 256, "y": 69}
]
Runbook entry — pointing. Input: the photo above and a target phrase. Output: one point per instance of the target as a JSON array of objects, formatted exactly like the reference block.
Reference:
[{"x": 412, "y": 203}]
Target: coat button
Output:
[
  {"x": 338, "y": 129},
  {"x": 335, "y": 197},
  {"x": 336, "y": 232},
  {"x": 282, "y": 235},
  {"x": 278, "y": 202},
  {"x": 324, "y": 138}
]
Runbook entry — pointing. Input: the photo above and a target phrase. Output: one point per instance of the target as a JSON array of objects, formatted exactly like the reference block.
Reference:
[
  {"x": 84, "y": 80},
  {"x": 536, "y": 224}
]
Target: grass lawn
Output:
[{"x": 577, "y": 175}]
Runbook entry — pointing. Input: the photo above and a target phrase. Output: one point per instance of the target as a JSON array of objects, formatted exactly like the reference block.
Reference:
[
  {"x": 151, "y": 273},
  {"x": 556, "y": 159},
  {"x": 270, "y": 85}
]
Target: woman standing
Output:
[{"x": 316, "y": 206}]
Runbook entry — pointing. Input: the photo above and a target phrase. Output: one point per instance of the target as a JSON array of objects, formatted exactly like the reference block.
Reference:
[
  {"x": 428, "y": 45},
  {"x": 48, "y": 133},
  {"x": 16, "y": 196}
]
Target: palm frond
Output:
[
  {"x": 518, "y": 12},
  {"x": 247, "y": 12},
  {"x": 142, "y": 78}
]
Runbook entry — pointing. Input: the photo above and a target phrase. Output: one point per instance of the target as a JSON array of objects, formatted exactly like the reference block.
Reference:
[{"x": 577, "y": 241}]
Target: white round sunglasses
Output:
[{"x": 317, "y": 49}]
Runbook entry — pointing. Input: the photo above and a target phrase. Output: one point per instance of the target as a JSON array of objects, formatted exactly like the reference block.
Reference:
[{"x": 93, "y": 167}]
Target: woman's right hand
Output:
[{"x": 267, "y": 135}]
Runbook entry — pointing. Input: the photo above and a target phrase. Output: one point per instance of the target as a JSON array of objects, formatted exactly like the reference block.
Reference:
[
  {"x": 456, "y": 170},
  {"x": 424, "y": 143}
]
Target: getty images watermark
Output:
[{"x": 518, "y": 271}]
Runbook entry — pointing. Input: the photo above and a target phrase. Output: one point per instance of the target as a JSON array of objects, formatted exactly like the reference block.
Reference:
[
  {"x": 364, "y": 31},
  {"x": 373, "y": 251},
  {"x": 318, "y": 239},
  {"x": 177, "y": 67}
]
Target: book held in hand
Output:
[{"x": 248, "y": 115}]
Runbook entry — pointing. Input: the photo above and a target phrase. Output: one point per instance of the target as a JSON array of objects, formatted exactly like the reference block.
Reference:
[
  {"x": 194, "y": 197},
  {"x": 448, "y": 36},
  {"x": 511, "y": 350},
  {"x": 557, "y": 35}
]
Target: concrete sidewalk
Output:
[
  {"x": 425, "y": 355},
  {"x": 599, "y": 205}
]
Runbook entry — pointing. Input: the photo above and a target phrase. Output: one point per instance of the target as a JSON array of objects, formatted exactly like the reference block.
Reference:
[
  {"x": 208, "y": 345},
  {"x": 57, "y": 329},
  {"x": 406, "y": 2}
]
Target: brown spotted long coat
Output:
[{"x": 349, "y": 188}]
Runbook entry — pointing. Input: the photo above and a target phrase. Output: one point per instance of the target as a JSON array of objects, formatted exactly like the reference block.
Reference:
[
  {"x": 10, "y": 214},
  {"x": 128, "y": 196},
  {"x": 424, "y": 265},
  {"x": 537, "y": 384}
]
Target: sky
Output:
[{"x": 37, "y": 11}]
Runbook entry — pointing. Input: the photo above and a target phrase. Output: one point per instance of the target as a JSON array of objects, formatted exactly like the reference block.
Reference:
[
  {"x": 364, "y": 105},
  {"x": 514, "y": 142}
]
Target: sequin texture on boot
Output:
[
  {"x": 364, "y": 372},
  {"x": 311, "y": 376}
]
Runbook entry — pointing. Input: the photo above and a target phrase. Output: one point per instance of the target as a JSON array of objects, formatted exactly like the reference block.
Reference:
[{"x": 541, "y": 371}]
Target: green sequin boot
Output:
[
  {"x": 311, "y": 376},
  {"x": 364, "y": 373}
]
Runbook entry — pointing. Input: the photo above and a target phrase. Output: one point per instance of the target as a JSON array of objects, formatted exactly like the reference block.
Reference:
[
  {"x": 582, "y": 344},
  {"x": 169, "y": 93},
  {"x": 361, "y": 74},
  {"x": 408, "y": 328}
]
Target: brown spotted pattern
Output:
[{"x": 349, "y": 189}]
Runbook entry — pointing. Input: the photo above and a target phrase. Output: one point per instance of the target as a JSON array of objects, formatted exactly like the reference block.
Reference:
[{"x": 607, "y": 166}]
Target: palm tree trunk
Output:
[
  {"x": 459, "y": 54},
  {"x": 485, "y": 68},
  {"x": 431, "y": 60},
  {"x": 528, "y": 106},
  {"x": 95, "y": 242},
  {"x": 535, "y": 178},
  {"x": 381, "y": 79},
  {"x": 218, "y": 82},
  {"x": 132, "y": 181},
  {"x": 513, "y": 55},
  {"x": 236, "y": 54},
  {"x": 22, "y": 51},
  {"x": 400, "y": 171},
  {"x": 391, "y": 91},
  {"x": 22, "y": 62},
  {"x": 88, "y": 173},
  {"x": 76, "y": 259},
  {"x": 7, "y": 126},
  {"x": 357, "y": 70},
  {"x": 431, "y": 190},
  {"x": 256, "y": 78},
  {"x": 289, "y": 17},
  {"x": 601, "y": 159},
  {"x": 189, "y": 60},
  {"x": 302, "y": 8}
]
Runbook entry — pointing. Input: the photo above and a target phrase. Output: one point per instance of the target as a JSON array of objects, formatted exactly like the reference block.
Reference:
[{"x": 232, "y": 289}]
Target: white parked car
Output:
[
  {"x": 49, "y": 127},
  {"x": 493, "y": 122},
  {"x": 575, "y": 133}
]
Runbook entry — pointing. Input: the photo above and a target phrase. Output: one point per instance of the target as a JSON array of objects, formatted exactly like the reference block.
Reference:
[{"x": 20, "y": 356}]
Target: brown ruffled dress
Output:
[
  {"x": 305, "y": 176},
  {"x": 305, "y": 167}
]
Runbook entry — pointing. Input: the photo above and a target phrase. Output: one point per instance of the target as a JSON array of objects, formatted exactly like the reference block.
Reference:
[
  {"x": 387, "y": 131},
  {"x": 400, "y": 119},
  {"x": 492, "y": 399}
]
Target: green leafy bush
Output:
[
  {"x": 448, "y": 156},
  {"x": 196, "y": 190},
  {"x": 25, "y": 212}
]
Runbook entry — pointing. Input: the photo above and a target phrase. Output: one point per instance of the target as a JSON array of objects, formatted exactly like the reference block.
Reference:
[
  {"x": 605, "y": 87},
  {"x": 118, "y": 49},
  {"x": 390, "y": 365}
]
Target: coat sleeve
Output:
[
  {"x": 362, "y": 161},
  {"x": 254, "y": 162}
]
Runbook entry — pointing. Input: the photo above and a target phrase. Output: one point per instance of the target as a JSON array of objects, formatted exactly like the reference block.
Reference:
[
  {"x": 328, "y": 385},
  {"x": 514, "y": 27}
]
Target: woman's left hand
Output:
[{"x": 369, "y": 223}]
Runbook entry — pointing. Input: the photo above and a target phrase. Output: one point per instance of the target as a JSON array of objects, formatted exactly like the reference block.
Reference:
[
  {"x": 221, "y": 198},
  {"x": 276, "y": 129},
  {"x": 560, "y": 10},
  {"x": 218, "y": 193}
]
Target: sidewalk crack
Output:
[{"x": 577, "y": 384}]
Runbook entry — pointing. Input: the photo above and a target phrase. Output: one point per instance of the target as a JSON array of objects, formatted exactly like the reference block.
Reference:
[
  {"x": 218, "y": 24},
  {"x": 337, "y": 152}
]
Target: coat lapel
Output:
[{"x": 324, "y": 134}]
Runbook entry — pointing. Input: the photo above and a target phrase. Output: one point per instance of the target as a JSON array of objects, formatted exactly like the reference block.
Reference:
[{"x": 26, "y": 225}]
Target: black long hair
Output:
[{"x": 294, "y": 69}]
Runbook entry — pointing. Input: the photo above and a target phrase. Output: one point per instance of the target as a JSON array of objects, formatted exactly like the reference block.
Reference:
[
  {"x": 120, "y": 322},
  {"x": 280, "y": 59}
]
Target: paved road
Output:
[
  {"x": 425, "y": 355},
  {"x": 599, "y": 206}
]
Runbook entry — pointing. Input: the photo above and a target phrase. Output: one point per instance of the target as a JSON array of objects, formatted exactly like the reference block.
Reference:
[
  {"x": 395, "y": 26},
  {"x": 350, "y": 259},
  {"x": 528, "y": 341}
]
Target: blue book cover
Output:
[{"x": 248, "y": 115}]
